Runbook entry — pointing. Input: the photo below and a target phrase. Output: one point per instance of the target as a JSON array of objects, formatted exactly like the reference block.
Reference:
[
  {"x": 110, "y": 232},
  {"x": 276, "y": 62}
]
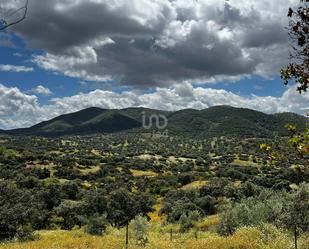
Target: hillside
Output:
[{"x": 212, "y": 122}]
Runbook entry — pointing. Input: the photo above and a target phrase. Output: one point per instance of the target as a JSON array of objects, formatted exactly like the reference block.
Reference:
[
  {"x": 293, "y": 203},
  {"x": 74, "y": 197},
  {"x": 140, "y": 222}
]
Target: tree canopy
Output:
[{"x": 298, "y": 69}]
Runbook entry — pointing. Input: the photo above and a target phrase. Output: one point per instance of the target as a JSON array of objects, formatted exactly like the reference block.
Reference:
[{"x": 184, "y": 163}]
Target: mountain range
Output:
[{"x": 211, "y": 122}]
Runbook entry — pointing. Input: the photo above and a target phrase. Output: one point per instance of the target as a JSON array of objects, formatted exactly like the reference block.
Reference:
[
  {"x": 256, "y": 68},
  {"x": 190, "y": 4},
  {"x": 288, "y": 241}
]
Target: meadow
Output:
[{"x": 244, "y": 238}]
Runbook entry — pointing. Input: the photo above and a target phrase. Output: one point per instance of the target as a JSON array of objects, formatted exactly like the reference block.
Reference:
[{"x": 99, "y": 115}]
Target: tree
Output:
[
  {"x": 13, "y": 17},
  {"x": 17, "y": 212},
  {"x": 299, "y": 140},
  {"x": 70, "y": 212},
  {"x": 180, "y": 208},
  {"x": 298, "y": 69},
  {"x": 123, "y": 206},
  {"x": 296, "y": 215},
  {"x": 189, "y": 220},
  {"x": 95, "y": 202},
  {"x": 96, "y": 225}
]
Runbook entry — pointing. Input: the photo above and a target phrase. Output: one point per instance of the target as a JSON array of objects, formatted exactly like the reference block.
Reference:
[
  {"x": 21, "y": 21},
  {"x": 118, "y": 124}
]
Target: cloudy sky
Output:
[{"x": 163, "y": 54}]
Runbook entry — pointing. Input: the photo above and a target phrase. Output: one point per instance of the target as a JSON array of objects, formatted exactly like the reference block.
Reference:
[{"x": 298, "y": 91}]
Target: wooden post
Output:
[
  {"x": 195, "y": 234},
  {"x": 171, "y": 235},
  {"x": 127, "y": 236},
  {"x": 295, "y": 236}
]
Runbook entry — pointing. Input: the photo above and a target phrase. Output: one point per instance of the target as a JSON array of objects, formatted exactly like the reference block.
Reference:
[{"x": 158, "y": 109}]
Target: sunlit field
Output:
[{"x": 245, "y": 238}]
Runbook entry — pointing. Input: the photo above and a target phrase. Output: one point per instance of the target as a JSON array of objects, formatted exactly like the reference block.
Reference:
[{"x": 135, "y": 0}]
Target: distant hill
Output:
[
  {"x": 88, "y": 121},
  {"x": 231, "y": 121},
  {"x": 211, "y": 122}
]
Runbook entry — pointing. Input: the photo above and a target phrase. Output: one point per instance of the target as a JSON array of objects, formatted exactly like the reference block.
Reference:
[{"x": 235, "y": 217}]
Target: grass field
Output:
[{"x": 159, "y": 238}]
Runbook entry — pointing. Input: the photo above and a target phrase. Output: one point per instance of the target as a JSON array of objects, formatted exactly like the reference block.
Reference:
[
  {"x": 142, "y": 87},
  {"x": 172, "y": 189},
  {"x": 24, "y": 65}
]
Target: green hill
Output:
[{"x": 212, "y": 122}]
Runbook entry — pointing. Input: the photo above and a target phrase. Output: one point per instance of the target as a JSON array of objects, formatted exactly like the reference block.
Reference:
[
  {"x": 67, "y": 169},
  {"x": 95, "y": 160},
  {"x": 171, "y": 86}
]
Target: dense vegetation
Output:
[{"x": 184, "y": 185}]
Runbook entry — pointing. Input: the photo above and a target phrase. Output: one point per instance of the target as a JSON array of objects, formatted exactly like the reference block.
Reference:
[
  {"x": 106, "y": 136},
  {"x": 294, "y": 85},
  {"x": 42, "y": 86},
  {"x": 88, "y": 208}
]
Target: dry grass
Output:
[
  {"x": 154, "y": 216},
  {"x": 209, "y": 222},
  {"x": 145, "y": 157},
  {"x": 96, "y": 153},
  {"x": 245, "y": 163},
  {"x": 194, "y": 185},
  {"x": 245, "y": 238},
  {"x": 148, "y": 173},
  {"x": 89, "y": 170}
]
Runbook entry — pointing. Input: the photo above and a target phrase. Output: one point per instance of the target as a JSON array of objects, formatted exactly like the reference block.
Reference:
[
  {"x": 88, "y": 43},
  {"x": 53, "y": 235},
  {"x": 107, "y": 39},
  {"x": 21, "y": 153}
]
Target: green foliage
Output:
[
  {"x": 123, "y": 206},
  {"x": 282, "y": 209},
  {"x": 188, "y": 220},
  {"x": 25, "y": 233},
  {"x": 17, "y": 212},
  {"x": 96, "y": 225},
  {"x": 95, "y": 202},
  {"x": 8, "y": 154},
  {"x": 182, "y": 208},
  {"x": 140, "y": 228},
  {"x": 296, "y": 210},
  {"x": 299, "y": 139},
  {"x": 70, "y": 212},
  {"x": 298, "y": 70}
]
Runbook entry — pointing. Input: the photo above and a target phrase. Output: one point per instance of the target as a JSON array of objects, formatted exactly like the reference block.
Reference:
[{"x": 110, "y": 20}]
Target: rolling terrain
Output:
[{"x": 212, "y": 122}]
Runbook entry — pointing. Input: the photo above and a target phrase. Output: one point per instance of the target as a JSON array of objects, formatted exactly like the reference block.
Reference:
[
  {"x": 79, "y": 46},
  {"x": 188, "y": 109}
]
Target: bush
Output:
[
  {"x": 96, "y": 225},
  {"x": 17, "y": 211},
  {"x": 188, "y": 221},
  {"x": 70, "y": 212},
  {"x": 25, "y": 233},
  {"x": 140, "y": 227},
  {"x": 281, "y": 209},
  {"x": 181, "y": 208}
]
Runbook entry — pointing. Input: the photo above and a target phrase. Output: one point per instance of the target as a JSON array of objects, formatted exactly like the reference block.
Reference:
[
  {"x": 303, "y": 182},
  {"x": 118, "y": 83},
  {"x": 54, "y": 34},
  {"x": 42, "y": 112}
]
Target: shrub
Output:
[
  {"x": 17, "y": 211},
  {"x": 25, "y": 233},
  {"x": 188, "y": 221},
  {"x": 96, "y": 225},
  {"x": 69, "y": 211},
  {"x": 287, "y": 211},
  {"x": 140, "y": 227}
]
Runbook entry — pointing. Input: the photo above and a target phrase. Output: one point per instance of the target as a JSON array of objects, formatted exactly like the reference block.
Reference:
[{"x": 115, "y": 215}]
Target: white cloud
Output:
[
  {"x": 41, "y": 90},
  {"x": 15, "y": 69},
  {"x": 156, "y": 43},
  {"x": 18, "y": 109},
  {"x": 73, "y": 63}
]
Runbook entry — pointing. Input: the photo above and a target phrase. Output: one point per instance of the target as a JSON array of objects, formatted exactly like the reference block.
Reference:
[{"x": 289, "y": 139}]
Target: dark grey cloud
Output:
[
  {"x": 148, "y": 43},
  {"x": 144, "y": 63},
  {"x": 265, "y": 35},
  {"x": 57, "y": 25}
]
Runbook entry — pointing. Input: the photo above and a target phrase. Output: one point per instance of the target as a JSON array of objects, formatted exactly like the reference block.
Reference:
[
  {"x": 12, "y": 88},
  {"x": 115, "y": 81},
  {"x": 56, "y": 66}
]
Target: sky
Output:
[{"x": 68, "y": 55}]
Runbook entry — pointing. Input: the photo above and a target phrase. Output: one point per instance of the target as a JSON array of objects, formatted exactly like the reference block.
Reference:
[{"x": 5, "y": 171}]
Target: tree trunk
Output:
[
  {"x": 127, "y": 236},
  {"x": 295, "y": 236}
]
